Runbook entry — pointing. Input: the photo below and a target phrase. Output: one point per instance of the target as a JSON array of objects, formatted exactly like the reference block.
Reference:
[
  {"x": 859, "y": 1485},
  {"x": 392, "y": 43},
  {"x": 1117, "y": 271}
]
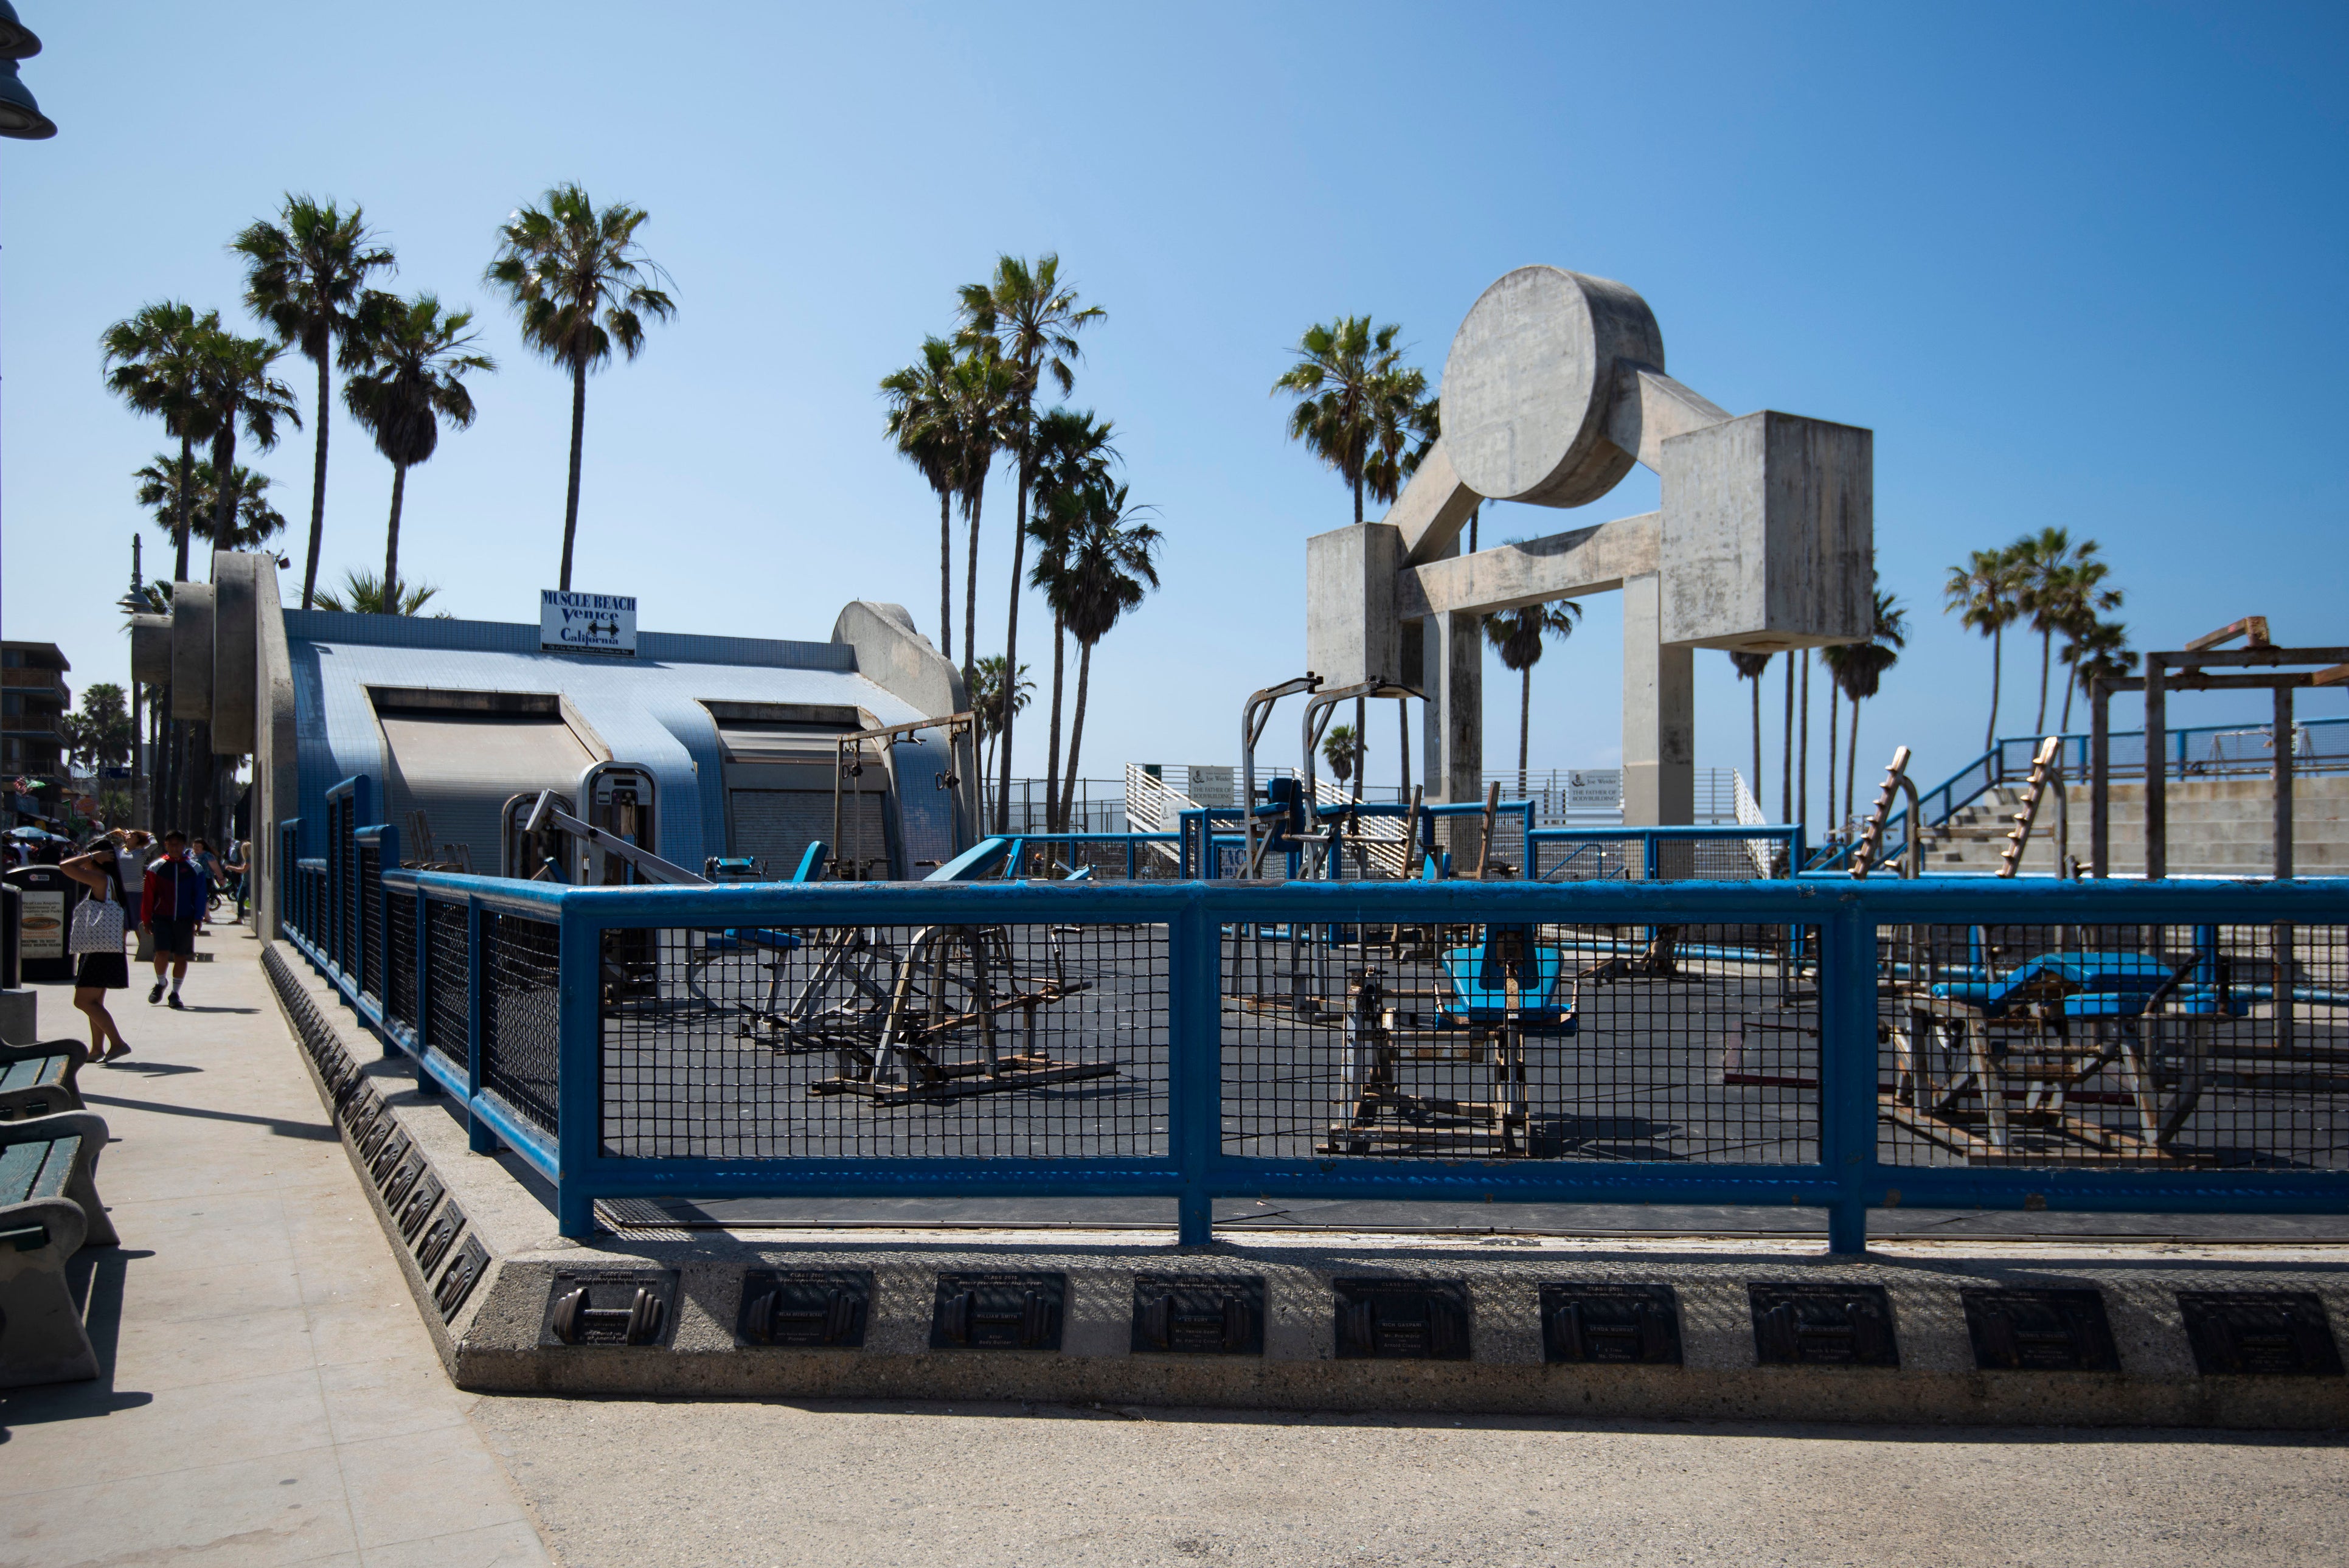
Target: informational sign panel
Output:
[
  {"x": 1594, "y": 790},
  {"x": 586, "y": 623}
]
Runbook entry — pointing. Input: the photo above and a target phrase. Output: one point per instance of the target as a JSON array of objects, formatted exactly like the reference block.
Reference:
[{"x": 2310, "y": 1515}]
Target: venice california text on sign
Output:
[{"x": 586, "y": 623}]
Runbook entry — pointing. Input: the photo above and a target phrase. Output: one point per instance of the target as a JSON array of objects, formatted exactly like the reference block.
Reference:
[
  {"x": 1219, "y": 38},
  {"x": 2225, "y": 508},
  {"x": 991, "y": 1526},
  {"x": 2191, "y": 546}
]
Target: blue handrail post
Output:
[
  {"x": 479, "y": 1136},
  {"x": 387, "y": 853},
  {"x": 579, "y": 1074},
  {"x": 1195, "y": 1032},
  {"x": 1847, "y": 1072}
]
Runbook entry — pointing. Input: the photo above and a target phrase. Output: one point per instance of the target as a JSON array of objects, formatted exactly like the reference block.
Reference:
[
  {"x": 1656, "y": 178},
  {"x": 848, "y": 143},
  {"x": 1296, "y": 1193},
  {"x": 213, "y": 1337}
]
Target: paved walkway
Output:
[{"x": 271, "y": 1398}]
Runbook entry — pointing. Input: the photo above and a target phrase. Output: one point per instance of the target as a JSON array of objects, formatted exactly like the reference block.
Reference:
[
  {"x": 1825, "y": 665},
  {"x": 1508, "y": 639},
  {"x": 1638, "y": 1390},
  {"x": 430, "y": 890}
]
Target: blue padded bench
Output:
[{"x": 48, "y": 1212}]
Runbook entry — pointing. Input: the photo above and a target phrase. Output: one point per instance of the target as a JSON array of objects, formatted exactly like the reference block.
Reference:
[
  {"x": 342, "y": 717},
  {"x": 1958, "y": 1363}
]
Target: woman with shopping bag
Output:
[{"x": 96, "y": 938}]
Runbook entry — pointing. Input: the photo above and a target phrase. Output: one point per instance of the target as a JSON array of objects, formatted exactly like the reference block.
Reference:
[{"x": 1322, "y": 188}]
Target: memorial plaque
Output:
[
  {"x": 472, "y": 1263},
  {"x": 1198, "y": 1315},
  {"x": 1809, "y": 1325},
  {"x": 1600, "y": 1322},
  {"x": 420, "y": 1206},
  {"x": 2039, "y": 1331},
  {"x": 1401, "y": 1319},
  {"x": 386, "y": 1158},
  {"x": 804, "y": 1309},
  {"x": 998, "y": 1311},
  {"x": 436, "y": 1241},
  {"x": 609, "y": 1306},
  {"x": 403, "y": 1180},
  {"x": 2260, "y": 1333}
]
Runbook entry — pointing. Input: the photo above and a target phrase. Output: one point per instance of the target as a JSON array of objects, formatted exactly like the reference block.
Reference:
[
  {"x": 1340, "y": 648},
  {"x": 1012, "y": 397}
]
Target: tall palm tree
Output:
[
  {"x": 582, "y": 285},
  {"x": 238, "y": 392},
  {"x": 253, "y": 519},
  {"x": 1862, "y": 667},
  {"x": 1073, "y": 454},
  {"x": 1750, "y": 667},
  {"x": 982, "y": 386},
  {"x": 305, "y": 276},
  {"x": 2052, "y": 566},
  {"x": 922, "y": 423},
  {"x": 1033, "y": 320},
  {"x": 419, "y": 355},
  {"x": 1112, "y": 564},
  {"x": 364, "y": 594},
  {"x": 1342, "y": 749},
  {"x": 152, "y": 362},
  {"x": 1985, "y": 593},
  {"x": 1520, "y": 636},
  {"x": 2079, "y": 599},
  {"x": 2097, "y": 651}
]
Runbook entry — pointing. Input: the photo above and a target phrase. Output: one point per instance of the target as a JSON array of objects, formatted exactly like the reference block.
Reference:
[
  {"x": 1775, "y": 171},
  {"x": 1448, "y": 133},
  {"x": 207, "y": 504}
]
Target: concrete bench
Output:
[
  {"x": 48, "y": 1212},
  {"x": 40, "y": 1079}
]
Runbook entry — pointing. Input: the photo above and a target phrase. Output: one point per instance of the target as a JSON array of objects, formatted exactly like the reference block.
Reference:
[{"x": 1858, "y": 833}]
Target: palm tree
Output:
[
  {"x": 1520, "y": 636},
  {"x": 255, "y": 519},
  {"x": 1984, "y": 591},
  {"x": 2095, "y": 652},
  {"x": 1750, "y": 667},
  {"x": 983, "y": 385},
  {"x": 153, "y": 361},
  {"x": 1073, "y": 456},
  {"x": 1862, "y": 666},
  {"x": 922, "y": 423},
  {"x": 2080, "y": 598},
  {"x": 305, "y": 276},
  {"x": 1111, "y": 566},
  {"x": 363, "y": 595},
  {"x": 238, "y": 391},
  {"x": 1032, "y": 321},
  {"x": 2052, "y": 567},
  {"x": 1341, "y": 748},
  {"x": 987, "y": 701},
  {"x": 1355, "y": 400},
  {"x": 417, "y": 358},
  {"x": 582, "y": 285}
]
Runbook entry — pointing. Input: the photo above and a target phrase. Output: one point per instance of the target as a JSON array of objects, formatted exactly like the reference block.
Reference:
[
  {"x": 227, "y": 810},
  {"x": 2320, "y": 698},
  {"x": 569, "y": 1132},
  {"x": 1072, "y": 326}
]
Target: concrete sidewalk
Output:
[{"x": 271, "y": 1397}]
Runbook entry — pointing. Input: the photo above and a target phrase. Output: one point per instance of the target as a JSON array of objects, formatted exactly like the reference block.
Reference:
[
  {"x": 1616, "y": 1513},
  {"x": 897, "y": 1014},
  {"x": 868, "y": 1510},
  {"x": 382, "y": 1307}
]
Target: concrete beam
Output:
[
  {"x": 1433, "y": 508},
  {"x": 1505, "y": 577},
  {"x": 1650, "y": 409}
]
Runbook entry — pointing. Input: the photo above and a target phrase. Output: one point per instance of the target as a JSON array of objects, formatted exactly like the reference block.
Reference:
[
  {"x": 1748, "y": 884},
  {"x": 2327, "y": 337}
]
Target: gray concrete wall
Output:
[{"x": 1351, "y": 632}]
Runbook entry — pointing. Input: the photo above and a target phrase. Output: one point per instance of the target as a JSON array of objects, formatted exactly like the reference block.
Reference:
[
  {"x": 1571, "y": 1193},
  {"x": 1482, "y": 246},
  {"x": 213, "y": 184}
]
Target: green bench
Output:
[
  {"x": 40, "y": 1079},
  {"x": 48, "y": 1212}
]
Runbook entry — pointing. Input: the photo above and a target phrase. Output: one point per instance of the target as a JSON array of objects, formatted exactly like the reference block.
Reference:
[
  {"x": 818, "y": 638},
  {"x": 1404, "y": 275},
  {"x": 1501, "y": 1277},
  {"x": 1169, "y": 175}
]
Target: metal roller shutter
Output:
[
  {"x": 462, "y": 768},
  {"x": 774, "y": 827}
]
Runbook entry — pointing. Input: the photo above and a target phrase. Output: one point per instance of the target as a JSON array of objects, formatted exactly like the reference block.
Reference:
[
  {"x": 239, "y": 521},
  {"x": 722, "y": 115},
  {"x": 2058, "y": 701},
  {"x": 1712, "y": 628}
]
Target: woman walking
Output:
[{"x": 99, "y": 966}]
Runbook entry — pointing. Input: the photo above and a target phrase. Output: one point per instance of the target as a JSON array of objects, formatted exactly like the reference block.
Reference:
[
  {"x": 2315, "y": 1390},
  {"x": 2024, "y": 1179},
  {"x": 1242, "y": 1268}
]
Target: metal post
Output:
[
  {"x": 2100, "y": 779},
  {"x": 1194, "y": 1033},
  {"x": 425, "y": 1082},
  {"x": 2156, "y": 770},
  {"x": 579, "y": 1070},
  {"x": 1848, "y": 1071},
  {"x": 2284, "y": 762},
  {"x": 479, "y": 1137}
]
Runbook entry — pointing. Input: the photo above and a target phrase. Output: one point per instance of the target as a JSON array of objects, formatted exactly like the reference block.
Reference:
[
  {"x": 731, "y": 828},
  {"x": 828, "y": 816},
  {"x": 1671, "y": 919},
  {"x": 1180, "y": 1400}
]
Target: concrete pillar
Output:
[
  {"x": 1659, "y": 713},
  {"x": 1452, "y": 662}
]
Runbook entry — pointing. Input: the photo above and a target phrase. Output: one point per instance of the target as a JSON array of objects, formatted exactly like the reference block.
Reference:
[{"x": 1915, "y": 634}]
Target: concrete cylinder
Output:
[{"x": 191, "y": 650}]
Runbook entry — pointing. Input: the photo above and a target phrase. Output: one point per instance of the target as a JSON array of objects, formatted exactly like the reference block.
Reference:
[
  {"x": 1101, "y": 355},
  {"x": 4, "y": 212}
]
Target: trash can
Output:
[{"x": 45, "y": 899}]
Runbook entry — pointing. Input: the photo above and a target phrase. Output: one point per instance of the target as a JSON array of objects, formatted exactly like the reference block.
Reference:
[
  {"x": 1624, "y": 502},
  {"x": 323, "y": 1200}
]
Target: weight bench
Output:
[
  {"x": 40, "y": 1079},
  {"x": 48, "y": 1212}
]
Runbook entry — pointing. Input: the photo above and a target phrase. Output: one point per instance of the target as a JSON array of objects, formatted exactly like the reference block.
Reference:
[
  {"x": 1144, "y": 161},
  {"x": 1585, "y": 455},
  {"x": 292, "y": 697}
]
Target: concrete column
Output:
[
  {"x": 1659, "y": 713},
  {"x": 1451, "y": 664}
]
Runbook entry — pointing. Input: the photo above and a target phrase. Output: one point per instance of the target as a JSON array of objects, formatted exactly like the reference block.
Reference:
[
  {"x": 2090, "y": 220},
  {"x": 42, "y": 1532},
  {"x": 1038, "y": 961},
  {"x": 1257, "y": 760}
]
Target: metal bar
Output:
[
  {"x": 1847, "y": 1072},
  {"x": 2283, "y": 760},
  {"x": 481, "y": 1131},
  {"x": 1194, "y": 1033},
  {"x": 579, "y": 1074},
  {"x": 2157, "y": 774}
]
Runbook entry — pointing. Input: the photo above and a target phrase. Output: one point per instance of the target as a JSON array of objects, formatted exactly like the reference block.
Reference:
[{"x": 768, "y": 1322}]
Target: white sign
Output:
[
  {"x": 42, "y": 934},
  {"x": 586, "y": 623},
  {"x": 1594, "y": 790}
]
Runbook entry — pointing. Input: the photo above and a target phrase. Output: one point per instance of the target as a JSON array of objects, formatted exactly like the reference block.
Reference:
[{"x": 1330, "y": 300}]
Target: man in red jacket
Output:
[{"x": 177, "y": 889}]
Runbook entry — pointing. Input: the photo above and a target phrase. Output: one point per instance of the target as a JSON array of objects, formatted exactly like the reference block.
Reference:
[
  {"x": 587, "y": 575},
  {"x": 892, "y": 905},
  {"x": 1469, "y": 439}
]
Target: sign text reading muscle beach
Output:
[{"x": 586, "y": 623}]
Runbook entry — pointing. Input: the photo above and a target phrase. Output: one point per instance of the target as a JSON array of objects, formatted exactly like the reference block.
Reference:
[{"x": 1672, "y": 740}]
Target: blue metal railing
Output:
[{"x": 567, "y": 1140}]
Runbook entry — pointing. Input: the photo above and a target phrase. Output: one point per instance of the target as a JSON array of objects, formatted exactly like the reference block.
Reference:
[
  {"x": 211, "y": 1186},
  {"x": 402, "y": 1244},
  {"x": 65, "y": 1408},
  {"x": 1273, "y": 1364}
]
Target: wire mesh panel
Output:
[
  {"x": 1634, "y": 857},
  {"x": 369, "y": 883},
  {"x": 1591, "y": 860},
  {"x": 1679, "y": 1043},
  {"x": 399, "y": 959},
  {"x": 521, "y": 1014},
  {"x": 1102, "y": 860},
  {"x": 995, "y": 1041},
  {"x": 2179, "y": 1048},
  {"x": 448, "y": 982}
]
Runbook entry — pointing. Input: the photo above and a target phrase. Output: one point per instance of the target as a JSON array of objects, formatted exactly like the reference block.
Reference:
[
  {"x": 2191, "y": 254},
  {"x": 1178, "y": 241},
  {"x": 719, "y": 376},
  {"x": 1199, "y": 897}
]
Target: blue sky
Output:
[{"x": 2075, "y": 265}]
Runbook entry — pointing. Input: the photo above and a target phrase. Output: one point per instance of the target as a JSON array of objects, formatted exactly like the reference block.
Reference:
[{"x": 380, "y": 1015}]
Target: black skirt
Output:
[{"x": 105, "y": 971}]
